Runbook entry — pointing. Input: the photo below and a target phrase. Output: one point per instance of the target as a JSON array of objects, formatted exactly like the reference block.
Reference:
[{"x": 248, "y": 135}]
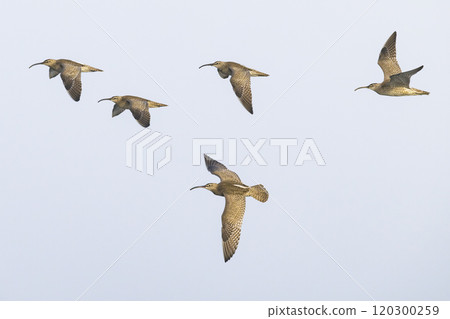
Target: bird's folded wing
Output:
[
  {"x": 240, "y": 81},
  {"x": 71, "y": 77},
  {"x": 220, "y": 170},
  {"x": 232, "y": 217},
  {"x": 387, "y": 59}
]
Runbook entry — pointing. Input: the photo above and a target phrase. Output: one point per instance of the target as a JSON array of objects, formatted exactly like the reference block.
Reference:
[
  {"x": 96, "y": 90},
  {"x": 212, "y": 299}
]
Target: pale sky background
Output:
[{"x": 70, "y": 206}]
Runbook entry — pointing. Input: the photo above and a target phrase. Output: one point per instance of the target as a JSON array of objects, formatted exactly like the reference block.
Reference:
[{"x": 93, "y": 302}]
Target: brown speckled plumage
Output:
[
  {"x": 234, "y": 191},
  {"x": 70, "y": 74},
  {"x": 240, "y": 80},
  {"x": 396, "y": 82},
  {"x": 137, "y": 106}
]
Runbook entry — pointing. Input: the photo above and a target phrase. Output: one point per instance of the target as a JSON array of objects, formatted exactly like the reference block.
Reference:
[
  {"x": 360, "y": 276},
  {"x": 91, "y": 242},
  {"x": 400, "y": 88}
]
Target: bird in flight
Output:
[
  {"x": 234, "y": 191},
  {"x": 70, "y": 74},
  {"x": 240, "y": 80},
  {"x": 137, "y": 106},
  {"x": 396, "y": 82}
]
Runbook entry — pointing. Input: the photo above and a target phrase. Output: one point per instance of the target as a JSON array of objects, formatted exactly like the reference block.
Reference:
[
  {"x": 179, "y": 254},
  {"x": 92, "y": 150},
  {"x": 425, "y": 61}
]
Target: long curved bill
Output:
[
  {"x": 362, "y": 87},
  {"x": 197, "y": 187},
  {"x": 106, "y": 99},
  {"x": 209, "y": 64},
  {"x": 36, "y": 64}
]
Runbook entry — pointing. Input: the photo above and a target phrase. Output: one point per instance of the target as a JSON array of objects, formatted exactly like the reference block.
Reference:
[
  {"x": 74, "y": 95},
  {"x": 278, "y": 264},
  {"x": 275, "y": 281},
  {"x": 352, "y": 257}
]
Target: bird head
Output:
[
  {"x": 216, "y": 64},
  {"x": 210, "y": 186},
  {"x": 48, "y": 62},
  {"x": 114, "y": 99},
  {"x": 371, "y": 86}
]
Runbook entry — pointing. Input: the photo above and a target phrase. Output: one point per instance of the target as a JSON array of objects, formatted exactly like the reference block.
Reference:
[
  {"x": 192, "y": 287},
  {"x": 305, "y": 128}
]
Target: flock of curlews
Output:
[{"x": 395, "y": 83}]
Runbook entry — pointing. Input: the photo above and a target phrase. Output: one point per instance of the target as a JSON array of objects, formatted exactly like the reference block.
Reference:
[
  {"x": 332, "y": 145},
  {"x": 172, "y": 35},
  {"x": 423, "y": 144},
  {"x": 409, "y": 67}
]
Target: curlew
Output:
[
  {"x": 137, "y": 106},
  {"x": 234, "y": 191},
  {"x": 70, "y": 74},
  {"x": 396, "y": 82},
  {"x": 240, "y": 80}
]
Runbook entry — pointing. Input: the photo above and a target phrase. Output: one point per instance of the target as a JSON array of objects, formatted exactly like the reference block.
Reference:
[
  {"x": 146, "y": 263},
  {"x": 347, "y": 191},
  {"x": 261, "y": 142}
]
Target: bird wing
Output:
[
  {"x": 117, "y": 110},
  {"x": 232, "y": 217},
  {"x": 220, "y": 170},
  {"x": 222, "y": 74},
  {"x": 387, "y": 59},
  {"x": 402, "y": 79},
  {"x": 139, "y": 109},
  {"x": 71, "y": 77},
  {"x": 240, "y": 81},
  {"x": 52, "y": 73}
]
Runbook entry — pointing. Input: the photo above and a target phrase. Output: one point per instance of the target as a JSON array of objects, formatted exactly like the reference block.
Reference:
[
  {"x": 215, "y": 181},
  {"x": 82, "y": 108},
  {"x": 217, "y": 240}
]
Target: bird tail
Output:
[
  {"x": 88, "y": 68},
  {"x": 257, "y": 73},
  {"x": 155, "y": 104},
  {"x": 420, "y": 92},
  {"x": 258, "y": 192}
]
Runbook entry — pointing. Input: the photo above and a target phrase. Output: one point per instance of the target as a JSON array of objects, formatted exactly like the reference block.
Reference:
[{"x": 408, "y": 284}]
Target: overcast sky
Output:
[{"x": 372, "y": 223}]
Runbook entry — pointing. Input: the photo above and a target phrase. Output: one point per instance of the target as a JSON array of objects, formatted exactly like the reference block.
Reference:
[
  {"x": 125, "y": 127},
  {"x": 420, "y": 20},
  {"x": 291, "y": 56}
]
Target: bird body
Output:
[
  {"x": 70, "y": 74},
  {"x": 386, "y": 89},
  {"x": 225, "y": 69},
  {"x": 235, "y": 192},
  {"x": 396, "y": 82},
  {"x": 223, "y": 188},
  {"x": 240, "y": 80},
  {"x": 138, "y": 107}
]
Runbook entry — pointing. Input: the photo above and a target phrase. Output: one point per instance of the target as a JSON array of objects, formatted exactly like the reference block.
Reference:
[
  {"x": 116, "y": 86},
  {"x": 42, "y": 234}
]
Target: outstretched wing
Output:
[
  {"x": 220, "y": 170},
  {"x": 117, "y": 110},
  {"x": 71, "y": 77},
  {"x": 387, "y": 59},
  {"x": 402, "y": 79},
  {"x": 240, "y": 81},
  {"x": 232, "y": 217},
  {"x": 139, "y": 109}
]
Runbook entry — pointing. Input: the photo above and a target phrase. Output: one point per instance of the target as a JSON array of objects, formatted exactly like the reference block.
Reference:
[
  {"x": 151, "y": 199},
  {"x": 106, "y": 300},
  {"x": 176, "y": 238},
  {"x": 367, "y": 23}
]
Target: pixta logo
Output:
[
  {"x": 308, "y": 150},
  {"x": 144, "y": 146}
]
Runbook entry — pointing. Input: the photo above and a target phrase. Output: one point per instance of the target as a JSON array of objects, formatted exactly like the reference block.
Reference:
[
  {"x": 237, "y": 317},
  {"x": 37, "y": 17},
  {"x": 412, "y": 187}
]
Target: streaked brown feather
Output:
[
  {"x": 71, "y": 77},
  {"x": 220, "y": 170},
  {"x": 240, "y": 81},
  {"x": 387, "y": 59},
  {"x": 139, "y": 109},
  {"x": 259, "y": 192},
  {"x": 232, "y": 218}
]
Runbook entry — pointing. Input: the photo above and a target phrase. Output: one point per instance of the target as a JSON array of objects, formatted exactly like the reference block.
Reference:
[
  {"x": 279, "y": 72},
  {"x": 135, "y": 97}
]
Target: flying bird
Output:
[
  {"x": 234, "y": 191},
  {"x": 240, "y": 80},
  {"x": 137, "y": 106},
  {"x": 70, "y": 74},
  {"x": 396, "y": 82}
]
